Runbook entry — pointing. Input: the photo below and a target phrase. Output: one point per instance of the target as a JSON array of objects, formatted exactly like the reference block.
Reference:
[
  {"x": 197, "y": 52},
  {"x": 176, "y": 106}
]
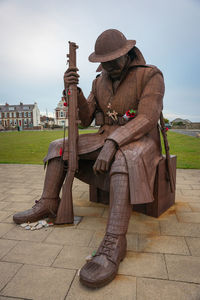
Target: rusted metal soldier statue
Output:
[{"x": 126, "y": 100}]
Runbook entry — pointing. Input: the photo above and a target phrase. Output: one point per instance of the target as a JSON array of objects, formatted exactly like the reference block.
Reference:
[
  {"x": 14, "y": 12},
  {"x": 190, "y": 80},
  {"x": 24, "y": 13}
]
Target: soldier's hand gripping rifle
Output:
[{"x": 65, "y": 212}]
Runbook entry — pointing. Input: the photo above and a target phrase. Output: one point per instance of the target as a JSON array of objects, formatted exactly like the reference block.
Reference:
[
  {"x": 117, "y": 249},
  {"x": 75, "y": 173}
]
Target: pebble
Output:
[
  {"x": 36, "y": 225},
  {"x": 24, "y": 225},
  {"x": 39, "y": 226},
  {"x": 42, "y": 222},
  {"x": 88, "y": 258},
  {"x": 33, "y": 224}
]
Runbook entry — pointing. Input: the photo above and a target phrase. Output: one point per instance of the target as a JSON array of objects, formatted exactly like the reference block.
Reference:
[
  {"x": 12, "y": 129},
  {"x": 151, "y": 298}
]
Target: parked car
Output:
[{"x": 167, "y": 125}]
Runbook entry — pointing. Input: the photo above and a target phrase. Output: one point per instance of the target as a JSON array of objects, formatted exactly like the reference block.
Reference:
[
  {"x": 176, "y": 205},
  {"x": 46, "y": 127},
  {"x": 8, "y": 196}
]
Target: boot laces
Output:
[
  {"x": 109, "y": 244},
  {"x": 38, "y": 203}
]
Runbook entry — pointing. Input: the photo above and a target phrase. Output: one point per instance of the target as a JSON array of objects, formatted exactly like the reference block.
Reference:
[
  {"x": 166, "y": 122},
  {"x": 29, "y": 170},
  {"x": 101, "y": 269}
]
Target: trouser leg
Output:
[
  {"x": 48, "y": 204},
  {"x": 120, "y": 207},
  {"x": 54, "y": 178}
]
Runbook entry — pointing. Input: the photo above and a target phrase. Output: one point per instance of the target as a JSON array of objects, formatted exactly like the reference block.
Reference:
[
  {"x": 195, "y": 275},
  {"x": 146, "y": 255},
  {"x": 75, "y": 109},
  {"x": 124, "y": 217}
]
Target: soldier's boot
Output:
[
  {"x": 104, "y": 265},
  {"x": 47, "y": 205}
]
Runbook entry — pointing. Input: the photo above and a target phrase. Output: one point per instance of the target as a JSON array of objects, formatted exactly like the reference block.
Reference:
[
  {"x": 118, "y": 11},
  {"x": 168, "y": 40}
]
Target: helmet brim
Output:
[{"x": 113, "y": 55}]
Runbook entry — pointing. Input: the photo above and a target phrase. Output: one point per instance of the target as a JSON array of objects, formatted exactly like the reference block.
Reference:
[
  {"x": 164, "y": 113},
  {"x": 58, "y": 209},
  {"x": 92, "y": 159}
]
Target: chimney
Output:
[{"x": 20, "y": 103}]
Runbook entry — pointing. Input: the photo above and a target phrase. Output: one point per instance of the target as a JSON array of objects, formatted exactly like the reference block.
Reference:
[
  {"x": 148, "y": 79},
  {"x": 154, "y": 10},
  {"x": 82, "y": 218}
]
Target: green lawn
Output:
[{"x": 30, "y": 147}]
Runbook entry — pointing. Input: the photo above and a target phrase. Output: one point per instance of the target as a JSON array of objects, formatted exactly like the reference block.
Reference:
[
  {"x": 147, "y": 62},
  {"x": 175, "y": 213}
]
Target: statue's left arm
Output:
[{"x": 149, "y": 109}]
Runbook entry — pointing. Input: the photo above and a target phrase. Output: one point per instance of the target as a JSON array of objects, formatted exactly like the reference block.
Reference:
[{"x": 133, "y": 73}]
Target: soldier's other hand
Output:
[
  {"x": 105, "y": 157},
  {"x": 71, "y": 77}
]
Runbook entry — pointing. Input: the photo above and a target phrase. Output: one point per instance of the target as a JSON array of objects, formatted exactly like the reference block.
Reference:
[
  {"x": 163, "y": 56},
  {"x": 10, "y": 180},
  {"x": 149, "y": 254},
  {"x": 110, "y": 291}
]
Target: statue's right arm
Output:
[{"x": 86, "y": 107}]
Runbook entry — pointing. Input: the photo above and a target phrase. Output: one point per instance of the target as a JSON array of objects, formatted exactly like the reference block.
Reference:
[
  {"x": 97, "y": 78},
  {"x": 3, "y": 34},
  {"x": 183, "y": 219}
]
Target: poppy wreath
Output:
[{"x": 130, "y": 114}]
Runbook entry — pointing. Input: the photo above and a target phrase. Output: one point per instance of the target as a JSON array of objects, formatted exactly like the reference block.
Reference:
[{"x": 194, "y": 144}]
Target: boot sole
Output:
[{"x": 31, "y": 220}]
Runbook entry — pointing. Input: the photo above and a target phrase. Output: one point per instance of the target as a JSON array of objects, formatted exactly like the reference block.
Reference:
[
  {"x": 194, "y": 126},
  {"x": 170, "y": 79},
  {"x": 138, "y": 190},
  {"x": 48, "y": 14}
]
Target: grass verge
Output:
[{"x": 30, "y": 147}]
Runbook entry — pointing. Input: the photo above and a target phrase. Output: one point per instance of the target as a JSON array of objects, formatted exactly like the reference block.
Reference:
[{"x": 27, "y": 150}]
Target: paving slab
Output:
[
  {"x": 20, "y": 234},
  {"x": 145, "y": 227},
  {"x": 72, "y": 257},
  {"x": 30, "y": 198},
  {"x": 163, "y": 244},
  {"x": 17, "y": 206},
  {"x": 122, "y": 287},
  {"x": 33, "y": 253},
  {"x": 93, "y": 223},
  {"x": 194, "y": 245},
  {"x": 70, "y": 236},
  {"x": 41, "y": 283},
  {"x": 183, "y": 268},
  {"x": 5, "y": 214},
  {"x": 8, "y": 270},
  {"x": 180, "y": 229},
  {"x": 88, "y": 211},
  {"x": 4, "y": 228},
  {"x": 159, "y": 250},
  {"x": 143, "y": 265},
  {"x": 155, "y": 289},
  {"x": 188, "y": 217},
  {"x": 6, "y": 246},
  {"x": 12, "y": 298},
  {"x": 195, "y": 206}
]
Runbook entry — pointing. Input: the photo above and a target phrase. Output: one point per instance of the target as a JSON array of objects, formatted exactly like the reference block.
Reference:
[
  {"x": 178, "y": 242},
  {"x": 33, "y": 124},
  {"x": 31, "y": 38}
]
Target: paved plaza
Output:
[{"x": 162, "y": 262}]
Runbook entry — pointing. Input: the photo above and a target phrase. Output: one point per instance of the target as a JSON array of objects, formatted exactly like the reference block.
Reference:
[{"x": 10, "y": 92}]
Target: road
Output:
[{"x": 190, "y": 132}]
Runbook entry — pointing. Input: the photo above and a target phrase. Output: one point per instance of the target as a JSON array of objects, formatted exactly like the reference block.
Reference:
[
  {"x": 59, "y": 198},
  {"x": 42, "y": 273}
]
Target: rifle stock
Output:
[{"x": 65, "y": 214}]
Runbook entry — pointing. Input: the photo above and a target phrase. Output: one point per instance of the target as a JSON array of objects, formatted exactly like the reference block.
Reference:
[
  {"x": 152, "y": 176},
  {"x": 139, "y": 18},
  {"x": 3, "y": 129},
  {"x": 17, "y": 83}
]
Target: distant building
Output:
[
  {"x": 46, "y": 121},
  {"x": 61, "y": 113},
  {"x": 22, "y": 115},
  {"x": 183, "y": 121}
]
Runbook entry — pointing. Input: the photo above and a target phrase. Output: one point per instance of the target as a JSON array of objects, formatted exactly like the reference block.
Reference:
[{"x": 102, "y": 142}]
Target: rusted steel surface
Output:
[{"x": 65, "y": 211}]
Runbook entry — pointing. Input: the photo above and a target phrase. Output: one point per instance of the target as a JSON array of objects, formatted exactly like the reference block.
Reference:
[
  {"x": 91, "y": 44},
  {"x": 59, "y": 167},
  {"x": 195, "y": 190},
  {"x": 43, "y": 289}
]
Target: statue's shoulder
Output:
[{"x": 146, "y": 71}]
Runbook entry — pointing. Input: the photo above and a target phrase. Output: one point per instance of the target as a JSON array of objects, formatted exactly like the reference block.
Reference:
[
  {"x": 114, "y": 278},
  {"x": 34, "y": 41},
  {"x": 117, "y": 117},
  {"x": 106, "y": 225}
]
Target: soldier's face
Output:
[{"x": 115, "y": 67}]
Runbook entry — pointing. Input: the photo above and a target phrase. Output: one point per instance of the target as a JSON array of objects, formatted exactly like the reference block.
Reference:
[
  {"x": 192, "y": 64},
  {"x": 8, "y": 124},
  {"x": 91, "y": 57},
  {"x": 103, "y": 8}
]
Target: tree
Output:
[{"x": 166, "y": 121}]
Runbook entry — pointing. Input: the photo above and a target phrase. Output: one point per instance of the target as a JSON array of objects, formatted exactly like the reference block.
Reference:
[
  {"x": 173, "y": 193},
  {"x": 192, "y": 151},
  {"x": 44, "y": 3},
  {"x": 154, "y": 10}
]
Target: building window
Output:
[
  {"x": 20, "y": 114},
  {"x": 25, "y": 121},
  {"x": 0, "y": 122},
  {"x": 0, "y": 114},
  {"x": 61, "y": 114},
  {"x": 14, "y": 114},
  {"x": 10, "y": 115},
  {"x": 15, "y": 122},
  {"x": 25, "y": 114},
  {"x": 10, "y": 122},
  {"x": 5, "y": 115},
  {"x": 11, "y": 108},
  {"x": 29, "y": 114}
]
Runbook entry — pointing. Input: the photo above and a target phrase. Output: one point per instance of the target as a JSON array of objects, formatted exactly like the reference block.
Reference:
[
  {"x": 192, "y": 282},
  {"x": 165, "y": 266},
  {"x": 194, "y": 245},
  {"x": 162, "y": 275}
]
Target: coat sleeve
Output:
[
  {"x": 149, "y": 109},
  {"x": 86, "y": 107}
]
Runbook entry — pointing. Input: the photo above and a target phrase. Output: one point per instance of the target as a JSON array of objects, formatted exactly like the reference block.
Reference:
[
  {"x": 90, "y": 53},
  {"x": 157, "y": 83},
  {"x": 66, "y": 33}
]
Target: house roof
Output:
[{"x": 13, "y": 108}]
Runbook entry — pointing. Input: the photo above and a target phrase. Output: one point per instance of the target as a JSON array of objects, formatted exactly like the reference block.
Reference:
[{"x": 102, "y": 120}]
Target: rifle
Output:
[
  {"x": 65, "y": 212},
  {"x": 168, "y": 162}
]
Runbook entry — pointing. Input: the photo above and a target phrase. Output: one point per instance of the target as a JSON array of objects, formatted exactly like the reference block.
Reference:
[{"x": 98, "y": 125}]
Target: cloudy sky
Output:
[{"x": 34, "y": 37}]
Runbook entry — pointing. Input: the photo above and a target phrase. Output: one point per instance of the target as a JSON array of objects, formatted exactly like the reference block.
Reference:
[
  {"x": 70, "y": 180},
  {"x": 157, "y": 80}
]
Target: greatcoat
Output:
[{"x": 141, "y": 89}]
